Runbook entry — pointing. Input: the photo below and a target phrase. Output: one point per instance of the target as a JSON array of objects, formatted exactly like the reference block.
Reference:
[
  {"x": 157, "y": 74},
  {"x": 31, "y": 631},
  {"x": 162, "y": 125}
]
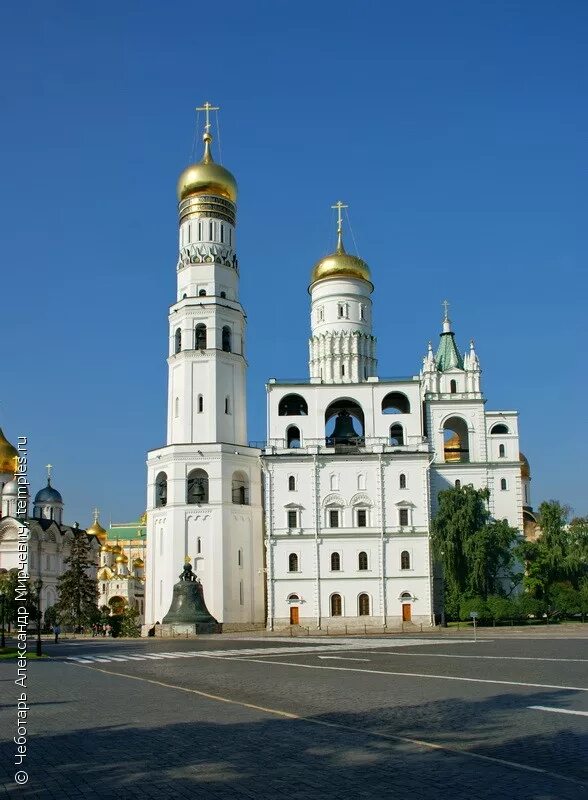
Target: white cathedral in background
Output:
[{"x": 352, "y": 465}]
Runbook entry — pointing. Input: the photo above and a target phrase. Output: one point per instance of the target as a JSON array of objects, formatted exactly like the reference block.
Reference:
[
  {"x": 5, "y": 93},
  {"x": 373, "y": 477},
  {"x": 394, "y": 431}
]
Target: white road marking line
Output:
[
  {"x": 342, "y": 658},
  {"x": 452, "y": 655},
  {"x": 118, "y": 658},
  {"x": 414, "y": 675},
  {"x": 96, "y": 658},
  {"x": 559, "y": 710},
  {"x": 80, "y": 660},
  {"x": 323, "y": 723}
]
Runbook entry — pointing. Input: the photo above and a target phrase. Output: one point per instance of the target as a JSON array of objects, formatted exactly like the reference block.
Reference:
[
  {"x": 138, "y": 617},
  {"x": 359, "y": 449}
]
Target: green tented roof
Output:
[{"x": 448, "y": 355}]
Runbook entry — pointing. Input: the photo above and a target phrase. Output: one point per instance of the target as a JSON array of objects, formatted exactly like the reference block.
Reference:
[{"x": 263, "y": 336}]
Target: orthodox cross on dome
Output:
[
  {"x": 339, "y": 205},
  {"x": 207, "y": 108},
  {"x": 445, "y": 305},
  {"x": 48, "y": 467},
  {"x": 96, "y": 514}
]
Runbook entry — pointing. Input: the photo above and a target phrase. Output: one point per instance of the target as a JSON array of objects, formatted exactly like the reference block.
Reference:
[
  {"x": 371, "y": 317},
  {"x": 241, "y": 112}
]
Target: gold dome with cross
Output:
[{"x": 340, "y": 263}]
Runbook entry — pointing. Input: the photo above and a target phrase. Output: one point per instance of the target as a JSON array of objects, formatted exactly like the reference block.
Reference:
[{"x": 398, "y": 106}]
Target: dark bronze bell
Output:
[
  {"x": 344, "y": 432},
  {"x": 188, "y": 606}
]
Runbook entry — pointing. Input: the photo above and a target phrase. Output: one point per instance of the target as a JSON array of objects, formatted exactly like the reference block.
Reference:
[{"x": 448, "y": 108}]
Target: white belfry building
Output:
[{"x": 352, "y": 465}]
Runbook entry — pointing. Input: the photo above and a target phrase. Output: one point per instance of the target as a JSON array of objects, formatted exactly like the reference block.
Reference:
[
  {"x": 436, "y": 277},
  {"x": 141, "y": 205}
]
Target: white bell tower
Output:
[{"x": 204, "y": 486}]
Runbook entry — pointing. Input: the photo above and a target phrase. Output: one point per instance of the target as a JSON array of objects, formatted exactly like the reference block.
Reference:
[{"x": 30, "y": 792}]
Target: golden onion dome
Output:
[
  {"x": 121, "y": 559},
  {"x": 98, "y": 531},
  {"x": 525, "y": 468},
  {"x": 8, "y": 453},
  {"x": 207, "y": 177},
  {"x": 138, "y": 562},
  {"x": 106, "y": 548},
  {"x": 340, "y": 264},
  {"x": 117, "y": 548}
]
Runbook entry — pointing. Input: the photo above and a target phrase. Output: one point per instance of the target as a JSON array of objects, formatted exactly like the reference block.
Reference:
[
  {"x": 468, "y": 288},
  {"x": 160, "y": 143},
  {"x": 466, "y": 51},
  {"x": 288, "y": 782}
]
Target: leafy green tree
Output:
[
  {"x": 476, "y": 552},
  {"x": 500, "y": 609},
  {"x": 50, "y": 617},
  {"x": 78, "y": 592},
  {"x": 471, "y": 605},
  {"x": 527, "y": 606},
  {"x": 9, "y": 584},
  {"x": 129, "y": 623}
]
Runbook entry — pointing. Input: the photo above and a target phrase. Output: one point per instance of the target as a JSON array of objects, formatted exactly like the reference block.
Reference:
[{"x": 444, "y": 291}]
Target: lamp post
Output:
[
  {"x": 2, "y": 602},
  {"x": 38, "y": 587}
]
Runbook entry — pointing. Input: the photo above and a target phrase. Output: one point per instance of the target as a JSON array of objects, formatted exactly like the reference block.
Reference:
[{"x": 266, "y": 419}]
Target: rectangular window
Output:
[
  {"x": 241, "y": 594},
  {"x": 210, "y": 231},
  {"x": 403, "y": 517},
  {"x": 361, "y": 312},
  {"x": 340, "y": 310},
  {"x": 333, "y": 518},
  {"x": 362, "y": 518},
  {"x": 292, "y": 519},
  {"x": 222, "y": 232}
]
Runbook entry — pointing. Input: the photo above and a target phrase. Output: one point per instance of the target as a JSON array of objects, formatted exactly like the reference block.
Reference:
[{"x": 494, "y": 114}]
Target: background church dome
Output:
[
  {"x": 97, "y": 530},
  {"x": 8, "y": 453},
  {"x": 10, "y": 490},
  {"x": 525, "y": 468},
  {"x": 48, "y": 495},
  {"x": 206, "y": 177}
]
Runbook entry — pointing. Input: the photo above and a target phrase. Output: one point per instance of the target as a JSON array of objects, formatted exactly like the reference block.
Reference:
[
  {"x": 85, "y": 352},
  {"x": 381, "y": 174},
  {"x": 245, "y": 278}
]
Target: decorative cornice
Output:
[{"x": 207, "y": 254}]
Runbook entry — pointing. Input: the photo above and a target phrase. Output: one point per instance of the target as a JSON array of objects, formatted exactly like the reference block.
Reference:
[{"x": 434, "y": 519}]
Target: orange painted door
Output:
[
  {"x": 406, "y": 612},
  {"x": 293, "y": 615}
]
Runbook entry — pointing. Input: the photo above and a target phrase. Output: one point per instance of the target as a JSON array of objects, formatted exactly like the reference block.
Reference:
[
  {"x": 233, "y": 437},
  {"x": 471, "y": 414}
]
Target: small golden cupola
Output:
[
  {"x": 97, "y": 530},
  {"x": 340, "y": 263},
  {"x": 8, "y": 454}
]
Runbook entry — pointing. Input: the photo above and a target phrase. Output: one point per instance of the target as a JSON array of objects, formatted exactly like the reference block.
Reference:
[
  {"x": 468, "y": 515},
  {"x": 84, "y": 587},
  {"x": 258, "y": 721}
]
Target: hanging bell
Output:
[{"x": 344, "y": 432}]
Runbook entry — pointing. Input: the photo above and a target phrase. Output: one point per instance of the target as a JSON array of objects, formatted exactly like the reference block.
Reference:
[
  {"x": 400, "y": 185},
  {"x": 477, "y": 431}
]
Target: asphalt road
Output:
[{"x": 230, "y": 717}]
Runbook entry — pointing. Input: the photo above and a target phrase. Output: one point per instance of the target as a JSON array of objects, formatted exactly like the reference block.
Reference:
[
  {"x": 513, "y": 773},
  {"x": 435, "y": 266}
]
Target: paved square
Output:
[{"x": 261, "y": 717}]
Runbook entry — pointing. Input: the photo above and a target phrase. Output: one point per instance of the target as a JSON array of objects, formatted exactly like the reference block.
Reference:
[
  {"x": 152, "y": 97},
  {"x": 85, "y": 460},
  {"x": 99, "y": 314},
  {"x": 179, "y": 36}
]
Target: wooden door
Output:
[
  {"x": 293, "y": 615},
  {"x": 406, "y": 612}
]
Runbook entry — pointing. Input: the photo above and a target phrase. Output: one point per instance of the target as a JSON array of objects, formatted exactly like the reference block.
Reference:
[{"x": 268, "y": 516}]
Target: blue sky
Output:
[{"x": 456, "y": 132}]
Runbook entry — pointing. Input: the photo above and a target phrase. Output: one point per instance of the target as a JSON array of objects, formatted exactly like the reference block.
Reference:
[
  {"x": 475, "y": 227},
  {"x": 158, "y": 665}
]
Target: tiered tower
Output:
[
  {"x": 342, "y": 348},
  {"x": 204, "y": 493}
]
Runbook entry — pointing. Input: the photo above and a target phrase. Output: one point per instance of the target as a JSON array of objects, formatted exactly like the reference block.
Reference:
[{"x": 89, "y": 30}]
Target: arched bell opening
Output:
[
  {"x": 456, "y": 446},
  {"x": 344, "y": 423}
]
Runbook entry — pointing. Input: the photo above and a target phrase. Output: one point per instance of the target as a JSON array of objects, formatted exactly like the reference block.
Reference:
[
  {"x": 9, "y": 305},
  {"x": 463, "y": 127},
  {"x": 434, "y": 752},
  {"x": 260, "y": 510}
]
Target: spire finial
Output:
[
  {"x": 207, "y": 136},
  {"x": 339, "y": 205},
  {"x": 446, "y": 320},
  {"x": 96, "y": 514},
  {"x": 48, "y": 467}
]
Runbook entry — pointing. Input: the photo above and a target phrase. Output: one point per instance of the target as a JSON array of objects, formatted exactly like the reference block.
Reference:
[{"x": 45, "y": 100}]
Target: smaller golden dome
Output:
[
  {"x": 98, "y": 531},
  {"x": 8, "y": 453},
  {"x": 525, "y": 468},
  {"x": 106, "y": 548},
  {"x": 452, "y": 448},
  {"x": 340, "y": 264},
  {"x": 104, "y": 574},
  {"x": 117, "y": 548},
  {"x": 138, "y": 562},
  {"x": 206, "y": 177},
  {"x": 121, "y": 559}
]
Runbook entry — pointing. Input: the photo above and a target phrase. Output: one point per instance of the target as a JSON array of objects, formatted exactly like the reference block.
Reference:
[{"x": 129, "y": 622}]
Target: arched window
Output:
[
  {"x": 335, "y": 562},
  {"x": 227, "y": 405},
  {"x": 501, "y": 451},
  {"x": 402, "y": 481},
  {"x": 293, "y": 436},
  {"x": 202, "y": 293},
  {"x": 363, "y": 602},
  {"x": 293, "y": 405},
  {"x": 197, "y": 487},
  {"x": 456, "y": 440},
  {"x": 178, "y": 340},
  {"x": 291, "y": 483},
  {"x": 503, "y": 484},
  {"x": 499, "y": 428},
  {"x": 226, "y": 339},
  {"x": 362, "y": 561},
  {"x": 458, "y": 484},
  {"x": 240, "y": 489},
  {"x": 452, "y": 387},
  {"x": 344, "y": 423},
  {"x": 396, "y": 435},
  {"x": 223, "y": 295},
  {"x": 293, "y": 562},
  {"x": 395, "y": 403},
  {"x": 200, "y": 337},
  {"x": 335, "y": 605},
  {"x": 405, "y": 560},
  {"x": 161, "y": 490},
  {"x": 200, "y": 404}
]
